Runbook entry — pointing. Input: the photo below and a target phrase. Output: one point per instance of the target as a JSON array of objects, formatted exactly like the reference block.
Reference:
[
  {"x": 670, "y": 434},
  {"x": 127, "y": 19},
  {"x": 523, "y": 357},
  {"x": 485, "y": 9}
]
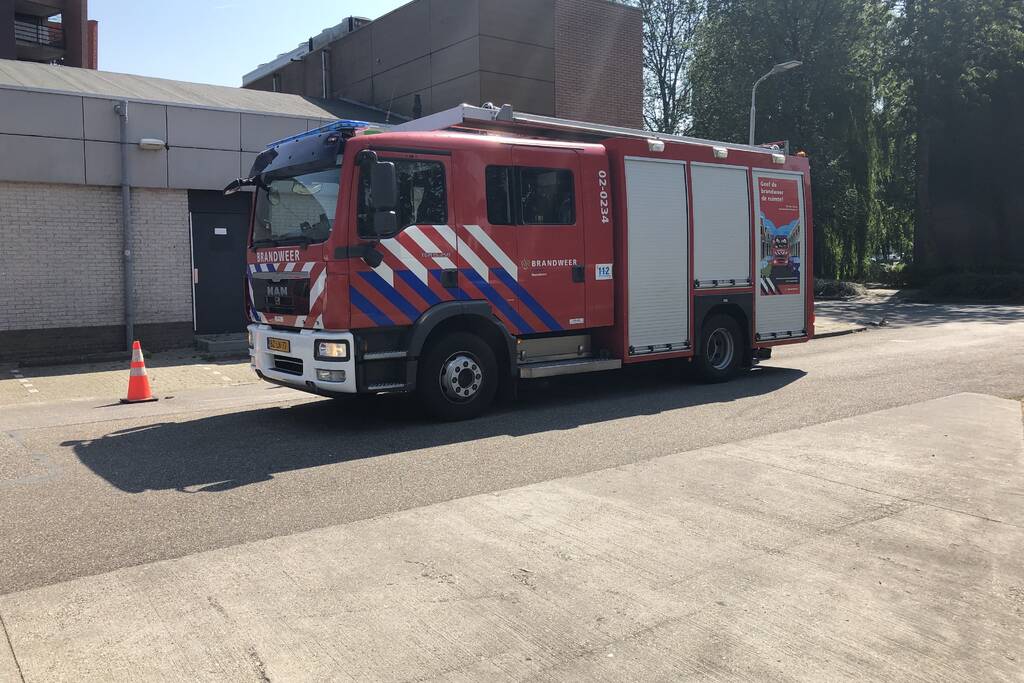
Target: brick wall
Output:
[
  {"x": 62, "y": 255},
  {"x": 163, "y": 258},
  {"x": 61, "y": 267},
  {"x": 599, "y": 62}
]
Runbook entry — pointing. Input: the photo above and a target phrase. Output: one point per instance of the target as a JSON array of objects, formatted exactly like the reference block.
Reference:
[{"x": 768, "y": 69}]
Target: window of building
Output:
[
  {"x": 530, "y": 196},
  {"x": 422, "y": 196}
]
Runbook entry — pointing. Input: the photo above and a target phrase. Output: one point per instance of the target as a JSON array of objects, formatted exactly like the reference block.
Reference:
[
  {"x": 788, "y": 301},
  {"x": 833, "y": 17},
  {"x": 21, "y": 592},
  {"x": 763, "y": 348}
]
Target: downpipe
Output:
[{"x": 121, "y": 108}]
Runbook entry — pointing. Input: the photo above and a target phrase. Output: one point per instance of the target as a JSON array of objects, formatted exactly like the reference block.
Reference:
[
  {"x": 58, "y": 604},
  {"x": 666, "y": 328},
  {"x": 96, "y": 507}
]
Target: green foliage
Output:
[
  {"x": 893, "y": 275},
  {"x": 910, "y": 112},
  {"x": 831, "y": 107},
  {"x": 825, "y": 288}
]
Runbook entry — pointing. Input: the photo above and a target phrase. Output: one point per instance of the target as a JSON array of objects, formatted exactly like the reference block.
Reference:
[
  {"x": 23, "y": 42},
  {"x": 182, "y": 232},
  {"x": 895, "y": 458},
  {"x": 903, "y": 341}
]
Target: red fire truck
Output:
[{"x": 454, "y": 255}]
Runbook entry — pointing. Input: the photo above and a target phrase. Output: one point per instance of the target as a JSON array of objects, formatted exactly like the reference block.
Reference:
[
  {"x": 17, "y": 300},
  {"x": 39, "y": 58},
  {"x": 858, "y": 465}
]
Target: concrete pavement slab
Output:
[
  {"x": 880, "y": 546},
  {"x": 92, "y": 410},
  {"x": 170, "y": 372},
  {"x": 9, "y": 672}
]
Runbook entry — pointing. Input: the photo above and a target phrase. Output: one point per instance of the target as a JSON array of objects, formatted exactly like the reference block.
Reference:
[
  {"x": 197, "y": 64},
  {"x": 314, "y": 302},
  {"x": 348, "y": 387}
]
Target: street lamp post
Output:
[{"x": 777, "y": 69}]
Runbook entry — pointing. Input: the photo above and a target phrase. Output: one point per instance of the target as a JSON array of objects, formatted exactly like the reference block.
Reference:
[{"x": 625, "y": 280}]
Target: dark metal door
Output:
[{"x": 218, "y": 271}]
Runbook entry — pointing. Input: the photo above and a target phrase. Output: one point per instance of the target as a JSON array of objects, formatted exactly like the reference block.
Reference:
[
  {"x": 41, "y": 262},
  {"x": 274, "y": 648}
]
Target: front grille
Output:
[{"x": 291, "y": 366}]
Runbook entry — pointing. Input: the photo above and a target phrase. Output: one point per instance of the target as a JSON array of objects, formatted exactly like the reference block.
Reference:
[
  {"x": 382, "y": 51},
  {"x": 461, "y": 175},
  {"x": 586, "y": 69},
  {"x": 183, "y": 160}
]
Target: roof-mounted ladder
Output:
[{"x": 466, "y": 117}]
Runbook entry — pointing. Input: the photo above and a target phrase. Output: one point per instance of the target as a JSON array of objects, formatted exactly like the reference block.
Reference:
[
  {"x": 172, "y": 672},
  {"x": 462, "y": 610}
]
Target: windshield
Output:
[{"x": 296, "y": 209}]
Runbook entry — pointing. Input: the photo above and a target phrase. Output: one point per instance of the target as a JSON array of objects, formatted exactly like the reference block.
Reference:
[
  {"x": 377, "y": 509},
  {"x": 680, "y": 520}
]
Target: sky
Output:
[{"x": 212, "y": 41}]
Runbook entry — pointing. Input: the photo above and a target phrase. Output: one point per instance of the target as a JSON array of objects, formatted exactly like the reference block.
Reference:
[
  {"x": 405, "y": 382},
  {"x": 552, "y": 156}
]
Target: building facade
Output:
[
  {"x": 579, "y": 59},
  {"x": 49, "y": 31},
  {"x": 61, "y": 221}
]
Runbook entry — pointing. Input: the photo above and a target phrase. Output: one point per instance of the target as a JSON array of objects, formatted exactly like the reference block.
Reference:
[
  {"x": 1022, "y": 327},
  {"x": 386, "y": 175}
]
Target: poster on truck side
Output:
[{"x": 781, "y": 232}]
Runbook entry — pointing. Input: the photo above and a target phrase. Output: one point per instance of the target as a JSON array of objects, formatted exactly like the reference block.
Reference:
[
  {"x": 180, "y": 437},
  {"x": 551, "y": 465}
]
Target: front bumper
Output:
[{"x": 298, "y": 367}]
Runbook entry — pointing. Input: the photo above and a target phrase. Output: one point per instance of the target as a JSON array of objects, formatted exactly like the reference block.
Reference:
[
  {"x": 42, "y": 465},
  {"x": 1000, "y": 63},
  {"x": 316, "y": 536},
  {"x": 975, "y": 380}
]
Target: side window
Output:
[
  {"x": 422, "y": 197},
  {"x": 547, "y": 196},
  {"x": 499, "y": 195}
]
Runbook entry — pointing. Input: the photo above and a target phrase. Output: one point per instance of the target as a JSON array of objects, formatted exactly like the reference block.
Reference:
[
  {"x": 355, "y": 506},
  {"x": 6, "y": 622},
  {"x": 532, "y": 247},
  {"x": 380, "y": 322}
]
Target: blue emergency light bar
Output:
[{"x": 334, "y": 126}]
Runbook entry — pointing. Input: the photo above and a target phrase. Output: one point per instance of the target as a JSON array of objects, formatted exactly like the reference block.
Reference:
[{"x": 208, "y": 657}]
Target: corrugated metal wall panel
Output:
[
  {"x": 721, "y": 225},
  {"x": 658, "y": 258}
]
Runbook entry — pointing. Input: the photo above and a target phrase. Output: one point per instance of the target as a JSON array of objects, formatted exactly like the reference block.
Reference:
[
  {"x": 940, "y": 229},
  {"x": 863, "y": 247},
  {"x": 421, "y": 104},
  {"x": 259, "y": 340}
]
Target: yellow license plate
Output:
[{"x": 279, "y": 345}]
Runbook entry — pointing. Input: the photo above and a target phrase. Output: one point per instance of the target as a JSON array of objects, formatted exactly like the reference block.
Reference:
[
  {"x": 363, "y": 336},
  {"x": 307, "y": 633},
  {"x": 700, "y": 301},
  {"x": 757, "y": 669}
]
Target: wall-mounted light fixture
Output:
[{"x": 152, "y": 143}]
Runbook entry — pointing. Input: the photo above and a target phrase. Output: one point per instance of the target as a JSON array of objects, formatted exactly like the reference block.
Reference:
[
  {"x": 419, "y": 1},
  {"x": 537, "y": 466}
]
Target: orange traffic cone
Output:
[{"x": 138, "y": 380}]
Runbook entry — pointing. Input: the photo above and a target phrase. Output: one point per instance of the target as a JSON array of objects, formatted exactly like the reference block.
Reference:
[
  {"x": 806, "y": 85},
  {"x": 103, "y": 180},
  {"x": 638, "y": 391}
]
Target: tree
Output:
[
  {"x": 963, "y": 64},
  {"x": 824, "y": 107},
  {"x": 669, "y": 30}
]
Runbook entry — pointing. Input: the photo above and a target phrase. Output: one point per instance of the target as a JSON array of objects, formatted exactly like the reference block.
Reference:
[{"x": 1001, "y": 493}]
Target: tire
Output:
[
  {"x": 721, "y": 349},
  {"x": 457, "y": 377}
]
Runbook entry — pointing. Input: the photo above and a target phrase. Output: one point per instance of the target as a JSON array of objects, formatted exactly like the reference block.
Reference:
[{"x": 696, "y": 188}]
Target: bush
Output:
[
  {"x": 978, "y": 287},
  {"x": 892, "y": 274},
  {"x": 836, "y": 289}
]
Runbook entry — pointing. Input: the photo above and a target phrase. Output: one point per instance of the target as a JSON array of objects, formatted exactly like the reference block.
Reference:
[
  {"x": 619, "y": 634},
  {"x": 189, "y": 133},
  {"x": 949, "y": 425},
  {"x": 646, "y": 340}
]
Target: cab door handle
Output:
[{"x": 577, "y": 274}]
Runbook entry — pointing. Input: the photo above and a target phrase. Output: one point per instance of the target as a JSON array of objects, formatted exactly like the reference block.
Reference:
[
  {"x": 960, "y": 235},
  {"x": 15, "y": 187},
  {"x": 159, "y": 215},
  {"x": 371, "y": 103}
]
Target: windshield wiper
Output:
[{"x": 264, "y": 243}]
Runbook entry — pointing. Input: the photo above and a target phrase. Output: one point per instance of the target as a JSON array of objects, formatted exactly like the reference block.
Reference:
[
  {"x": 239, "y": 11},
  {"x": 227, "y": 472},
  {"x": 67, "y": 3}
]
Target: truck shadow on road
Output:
[{"x": 223, "y": 452}]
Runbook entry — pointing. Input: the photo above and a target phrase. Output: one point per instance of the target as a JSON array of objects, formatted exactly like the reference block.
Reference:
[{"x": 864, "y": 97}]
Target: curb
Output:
[{"x": 839, "y": 333}]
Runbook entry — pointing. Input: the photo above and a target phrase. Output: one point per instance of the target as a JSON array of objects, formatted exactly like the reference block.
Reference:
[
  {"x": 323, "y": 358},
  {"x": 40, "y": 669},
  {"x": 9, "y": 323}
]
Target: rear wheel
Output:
[
  {"x": 721, "y": 348},
  {"x": 458, "y": 377}
]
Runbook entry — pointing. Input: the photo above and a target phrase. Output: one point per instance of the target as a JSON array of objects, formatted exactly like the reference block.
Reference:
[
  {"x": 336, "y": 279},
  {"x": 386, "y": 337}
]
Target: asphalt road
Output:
[{"x": 81, "y": 493}]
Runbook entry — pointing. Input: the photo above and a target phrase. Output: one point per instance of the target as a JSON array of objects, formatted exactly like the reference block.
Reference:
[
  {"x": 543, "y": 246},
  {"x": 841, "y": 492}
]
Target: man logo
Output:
[{"x": 525, "y": 264}]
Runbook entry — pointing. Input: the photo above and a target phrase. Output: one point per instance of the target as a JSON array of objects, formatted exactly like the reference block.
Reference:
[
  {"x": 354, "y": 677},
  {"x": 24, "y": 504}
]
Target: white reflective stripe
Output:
[
  {"x": 137, "y": 355},
  {"x": 447, "y": 233},
  {"x": 306, "y": 267},
  {"x": 300, "y": 321},
  {"x": 470, "y": 257},
  {"x": 137, "y": 372},
  {"x": 445, "y": 262},
  {"x": 319, "y": 324},
  {"x": 289, "y": 268},
  {"x": 388, "y": 275},
  {"x": 318, "y": 288},
  {"x": 407, "y": 259},
  {"x": 427, "y": 245},
  {"x": 500, "y": 256}
]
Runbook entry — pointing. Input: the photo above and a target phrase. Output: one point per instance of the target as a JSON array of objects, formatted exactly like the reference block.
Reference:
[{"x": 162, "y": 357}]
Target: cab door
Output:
[{"x": 549, "y": 279}]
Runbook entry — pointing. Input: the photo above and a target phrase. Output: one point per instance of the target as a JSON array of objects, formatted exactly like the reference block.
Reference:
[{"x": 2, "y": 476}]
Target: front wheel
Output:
[
  {"x": 721, "y": 347},
  {"x": 458, "y": 377}
]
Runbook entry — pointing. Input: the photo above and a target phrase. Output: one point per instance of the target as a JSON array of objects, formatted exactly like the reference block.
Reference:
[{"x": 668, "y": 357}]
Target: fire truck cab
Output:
[{"x": 459, "y": 253}]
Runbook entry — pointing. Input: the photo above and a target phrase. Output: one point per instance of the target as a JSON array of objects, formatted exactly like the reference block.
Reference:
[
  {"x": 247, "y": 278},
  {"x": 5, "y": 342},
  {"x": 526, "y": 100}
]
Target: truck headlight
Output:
[
  {"x": 249, "y": 332},
  {"x": 331, "y": 350}
]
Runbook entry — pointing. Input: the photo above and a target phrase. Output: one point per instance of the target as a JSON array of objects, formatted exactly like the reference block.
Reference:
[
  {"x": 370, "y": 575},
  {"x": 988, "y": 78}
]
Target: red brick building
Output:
[
  {"x": 579, "y": 59},
  {"x": 48, "y": 31}
]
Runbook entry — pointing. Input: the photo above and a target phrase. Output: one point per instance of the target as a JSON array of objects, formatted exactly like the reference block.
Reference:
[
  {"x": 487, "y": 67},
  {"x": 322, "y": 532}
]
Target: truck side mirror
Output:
[
  {"x": 383, "y": 194},
  {"x": 384, "y": 182},
  {"x": 385, "y": 224}
]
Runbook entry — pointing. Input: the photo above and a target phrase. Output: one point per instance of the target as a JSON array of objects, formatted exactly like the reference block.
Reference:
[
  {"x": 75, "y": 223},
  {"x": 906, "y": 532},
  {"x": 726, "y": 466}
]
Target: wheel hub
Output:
[
  {"x": 461, "y": 377},
  {"x": 720, "y": 349}
]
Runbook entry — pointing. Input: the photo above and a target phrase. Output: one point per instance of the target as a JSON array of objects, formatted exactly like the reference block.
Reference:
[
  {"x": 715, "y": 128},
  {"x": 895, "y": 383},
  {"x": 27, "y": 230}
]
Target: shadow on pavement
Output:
[
  {"x": 900, "y": 313},
  {"x": 223, "y": 452}
]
